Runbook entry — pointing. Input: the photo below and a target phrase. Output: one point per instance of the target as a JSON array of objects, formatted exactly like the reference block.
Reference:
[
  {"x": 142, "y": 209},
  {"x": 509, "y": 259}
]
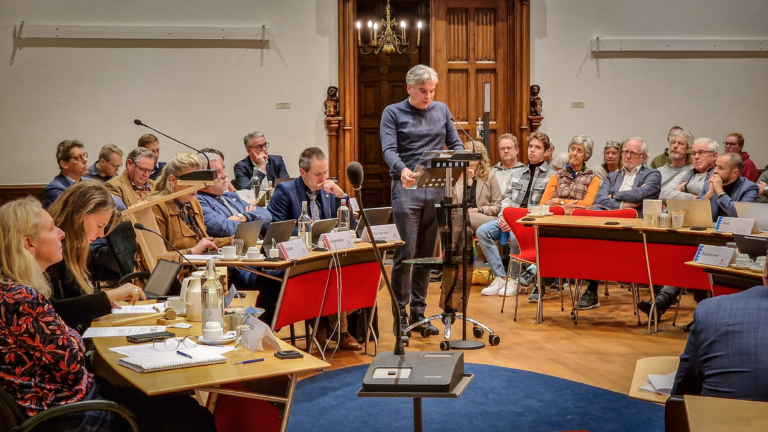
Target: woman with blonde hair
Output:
[
  {"x": 83, "y": 212},
  {"x": 483, "y": 192}
]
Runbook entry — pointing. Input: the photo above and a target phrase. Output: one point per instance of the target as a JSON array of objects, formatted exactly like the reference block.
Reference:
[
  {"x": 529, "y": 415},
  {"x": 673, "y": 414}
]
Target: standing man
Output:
[
  {"x": 734, "y": 143},
  {"x": 268, "y": 167},
  {"x": 108, "y": 165},
  {"x": 408, "y": 129},
  {"x": 508, "y": 151},
  {"x": 73, "y": 166},
  {"x": 134, "y": 185},
  {"x": 150, "y": 142}
]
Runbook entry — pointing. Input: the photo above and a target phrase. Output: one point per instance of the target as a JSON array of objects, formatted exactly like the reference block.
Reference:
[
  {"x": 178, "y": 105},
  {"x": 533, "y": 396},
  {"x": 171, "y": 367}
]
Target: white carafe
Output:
[{"x": 191, "y": 288}]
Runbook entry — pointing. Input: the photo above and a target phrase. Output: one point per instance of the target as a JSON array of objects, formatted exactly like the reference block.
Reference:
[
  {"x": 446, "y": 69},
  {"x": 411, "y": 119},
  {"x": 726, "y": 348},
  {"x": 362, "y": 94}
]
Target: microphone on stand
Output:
[
  {"x": 465, "y": 133},
  {"x": 143, "y": 228},
  {"x": 207, "y": 162},
  {"x": 355, "y": 176}
]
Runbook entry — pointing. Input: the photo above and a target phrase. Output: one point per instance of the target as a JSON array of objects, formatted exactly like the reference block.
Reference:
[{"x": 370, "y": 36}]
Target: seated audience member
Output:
[
  {"x": 550, "y": 154},
  {"x": 323, "y": 198},
  {"x": 575, "y": 186},
  {"x": 230, "y": 187},
  {"x": 508, "y": 151},
  {"x": 635, "y": 182},
  {"x": 704, "y": 154},
  {"x": 268, "y": 167},
  {"x": 560, "y": 161},
  {"x": 611, "y": 160},
  {"x": 726, "y": 186},
  {"x": 46, "y": 362},
  {"x": 133, "y": 185},
  {"x": 223, "y": 211},
  {"x": 108, "y": 165},
  {"x": 663, "y": 158},
  {"x": 483, "y": 193},
  {"x": 679, "y": 159},
  {"x": 725, "y": 354},
  {"x": 525, "y": 189},
  {"x": 734, "y": 143},
  {"x": 82, "y": 212},
  {"x": 73, "y": 166},
  {"x": 762, "y": 184},
  {"x": 151, "y": 143}
]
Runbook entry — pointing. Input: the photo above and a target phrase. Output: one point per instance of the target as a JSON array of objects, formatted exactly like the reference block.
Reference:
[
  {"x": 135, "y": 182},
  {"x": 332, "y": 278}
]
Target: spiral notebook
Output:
[{"x": 170, "y": 360}]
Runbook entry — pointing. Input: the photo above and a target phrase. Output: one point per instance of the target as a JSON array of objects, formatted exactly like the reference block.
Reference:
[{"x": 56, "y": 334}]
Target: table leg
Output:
[
  {"x": 417, "y": 420},
  {"x": 539, "y": 306},
  {"x": 287, "y": 409}
]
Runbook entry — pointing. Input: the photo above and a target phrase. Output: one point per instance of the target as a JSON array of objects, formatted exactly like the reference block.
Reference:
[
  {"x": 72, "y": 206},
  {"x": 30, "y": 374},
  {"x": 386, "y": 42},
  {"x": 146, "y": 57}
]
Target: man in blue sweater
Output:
[{"x": 408, "y": 129}]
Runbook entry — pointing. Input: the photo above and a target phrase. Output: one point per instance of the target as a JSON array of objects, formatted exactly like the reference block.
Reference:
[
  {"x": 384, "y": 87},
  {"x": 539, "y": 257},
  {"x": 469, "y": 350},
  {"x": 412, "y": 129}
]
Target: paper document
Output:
[
  {"x": 149, "y": 349},
  {"x": 94, "y": 332},
  {"x": 259, "y": 334},
  {"x": 153, "y": 308},
  {"x": 660, "y": 384},
  {"x": 201, "y": 257}
]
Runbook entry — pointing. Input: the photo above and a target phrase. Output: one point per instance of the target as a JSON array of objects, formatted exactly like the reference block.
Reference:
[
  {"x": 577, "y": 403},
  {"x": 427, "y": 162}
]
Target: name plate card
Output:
[
  {"x": 736, "y": 225},
  {"x": 386, "y": 233},
  {"x": 292, "y": 250},
  {"x": 715, "y": 255},
  {"x": 338, "y": 240}
]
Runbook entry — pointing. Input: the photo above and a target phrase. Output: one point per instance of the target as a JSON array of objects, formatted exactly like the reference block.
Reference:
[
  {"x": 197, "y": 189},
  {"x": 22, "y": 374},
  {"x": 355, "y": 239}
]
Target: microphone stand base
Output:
[{"x": 466, "y": 345}]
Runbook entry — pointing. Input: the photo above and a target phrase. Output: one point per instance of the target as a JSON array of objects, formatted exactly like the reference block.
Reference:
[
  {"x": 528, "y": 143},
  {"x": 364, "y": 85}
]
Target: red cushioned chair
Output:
[
  {"x": 526, "y": 240},
  {"x": 618, "y": 214}
]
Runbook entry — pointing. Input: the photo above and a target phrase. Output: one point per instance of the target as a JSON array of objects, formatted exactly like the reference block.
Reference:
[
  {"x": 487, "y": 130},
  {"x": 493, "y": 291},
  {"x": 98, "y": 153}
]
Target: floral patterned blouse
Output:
[{"x": 42, "y": 360}]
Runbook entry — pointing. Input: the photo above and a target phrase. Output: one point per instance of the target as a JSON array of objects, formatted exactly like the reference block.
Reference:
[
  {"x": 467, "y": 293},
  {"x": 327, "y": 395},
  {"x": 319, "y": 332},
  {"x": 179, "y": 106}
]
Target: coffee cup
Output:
[
  {"x": 253, "y": 253},
  {"x": 213, "y": 331},
  {"x": 229, "y": 252},
  {"x": 535, "y": 210},
  {"x": 742, "y": 260},
  {"x": 543, "y": 209},
  {"x": 177, "y": 304}
]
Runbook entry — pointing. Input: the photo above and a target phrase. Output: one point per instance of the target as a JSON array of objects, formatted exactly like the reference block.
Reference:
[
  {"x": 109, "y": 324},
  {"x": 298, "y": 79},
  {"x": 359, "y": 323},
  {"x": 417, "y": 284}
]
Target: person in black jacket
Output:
[
  {"x": 268, "y": 167},
  {"x": 83, "y": 211}
]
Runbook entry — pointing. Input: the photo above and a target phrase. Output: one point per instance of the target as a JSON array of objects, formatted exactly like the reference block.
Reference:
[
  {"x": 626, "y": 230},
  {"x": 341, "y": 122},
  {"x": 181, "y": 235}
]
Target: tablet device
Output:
[
  {"x": 162, "y": 278},
  {"x": 323, "y": 226},
  {"x": 249, "y": 232},
  {"x": 279, "y": 232},
  {"x": 376, "y": 216},
  {"x": 756, "y": 211}
]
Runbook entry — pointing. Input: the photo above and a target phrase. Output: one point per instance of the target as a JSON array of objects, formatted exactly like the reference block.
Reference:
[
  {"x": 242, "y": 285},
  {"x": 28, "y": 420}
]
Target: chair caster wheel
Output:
[
  {"x": 425, "y": 332},
  {"x": 445, "y": 346},
  {"x": 478, "y": 332},
  {"x": 494, "y": 339},
  {"x": 406, "y": 340}
]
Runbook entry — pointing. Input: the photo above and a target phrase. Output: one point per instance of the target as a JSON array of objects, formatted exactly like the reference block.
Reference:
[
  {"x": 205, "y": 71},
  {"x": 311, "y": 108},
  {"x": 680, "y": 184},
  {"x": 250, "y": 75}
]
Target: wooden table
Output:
[
  {"x": 651, "y": 365},
  {"x": 707, "y": 414},
  {"x": 729, "y": 280},
  {"x": 208, "y": 378}
]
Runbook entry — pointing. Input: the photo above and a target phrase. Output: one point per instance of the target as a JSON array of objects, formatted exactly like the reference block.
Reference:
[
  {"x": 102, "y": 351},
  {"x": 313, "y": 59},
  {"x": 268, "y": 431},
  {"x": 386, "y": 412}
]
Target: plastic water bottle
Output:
[
  {"x": 343, "y": 215},
  {"x": 305, "y": 226},
  {"x": 269, "y": 192},
  {"x": 255, "y": 185}
]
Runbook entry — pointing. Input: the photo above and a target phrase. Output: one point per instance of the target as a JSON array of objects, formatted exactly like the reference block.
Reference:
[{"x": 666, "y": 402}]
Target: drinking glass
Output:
[
  {"x": 238, "y": 244},
  {"x": 241, "y": 331}
]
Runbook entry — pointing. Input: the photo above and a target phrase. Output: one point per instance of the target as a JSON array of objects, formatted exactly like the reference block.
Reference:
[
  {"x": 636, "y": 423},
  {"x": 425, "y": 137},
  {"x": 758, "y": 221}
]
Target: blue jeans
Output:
[{"x": 487, "y": 236}]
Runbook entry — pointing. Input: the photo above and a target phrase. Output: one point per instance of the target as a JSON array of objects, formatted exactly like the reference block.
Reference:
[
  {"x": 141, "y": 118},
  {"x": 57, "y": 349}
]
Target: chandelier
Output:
[{"x": 388, "y": 41}]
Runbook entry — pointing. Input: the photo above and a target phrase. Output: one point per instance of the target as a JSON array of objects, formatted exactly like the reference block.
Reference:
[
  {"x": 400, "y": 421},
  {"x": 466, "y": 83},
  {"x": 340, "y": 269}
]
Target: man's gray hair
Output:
[
  {"x": 644, "y": 148},
  {"x": 712, "y": 145},
  {"x": 211, "y": 156},
  {"x": 138, "y": 153},
  {"x": 420, "y": 74},
  {"x": 305, "y": 158},
  {"x": 560, "y": 160},
  {"x": 247, "y": 139},
  {"x": 688, "y": 138},
  {"x": 584, "y": 141}
]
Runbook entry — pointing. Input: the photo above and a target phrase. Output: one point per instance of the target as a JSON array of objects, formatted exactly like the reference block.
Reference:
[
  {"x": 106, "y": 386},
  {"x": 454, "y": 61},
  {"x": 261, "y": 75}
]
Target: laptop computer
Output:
[
  {"x": 756, "y": 211},
  {"x": 249, "y": 232},
  {"x": 698, "y": 213},
  {"x": 376, "y": 216},
  {"x": 751, "y": 245},
  {"x": 279, "y": 232},
  {"x": 162, "y": 278},
  {"x": 323, "y": 226}
]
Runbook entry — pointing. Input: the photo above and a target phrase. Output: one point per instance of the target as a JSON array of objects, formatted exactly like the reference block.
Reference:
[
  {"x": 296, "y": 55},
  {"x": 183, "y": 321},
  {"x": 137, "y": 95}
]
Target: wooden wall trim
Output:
[
  {"x": 332, "y": 126},
  {"x": 9, "y": 193},
  {"x": 347, "y": 135}
]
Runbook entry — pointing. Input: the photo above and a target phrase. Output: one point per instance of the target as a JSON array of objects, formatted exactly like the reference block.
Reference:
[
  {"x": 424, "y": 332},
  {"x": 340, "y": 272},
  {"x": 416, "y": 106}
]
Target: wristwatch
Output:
[
  {"x": 242, "y": 217},
  {"x": 562, "y": 201}
]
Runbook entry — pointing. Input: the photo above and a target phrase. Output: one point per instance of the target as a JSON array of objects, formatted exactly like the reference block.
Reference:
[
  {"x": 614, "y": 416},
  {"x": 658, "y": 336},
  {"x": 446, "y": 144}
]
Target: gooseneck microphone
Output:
[
  {"x": 138, "y": 122},
  {"x": 143, "y": 228},
  {"x": 465, "y": 133}
]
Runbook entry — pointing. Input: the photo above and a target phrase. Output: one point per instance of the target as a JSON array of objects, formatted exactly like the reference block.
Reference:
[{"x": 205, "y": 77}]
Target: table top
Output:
[
  {"x": 707, "y": 414},
  {"x": 156, "y": 383},
  {"x": 729, "y": 270},
  {"x": 651, "y": 365}
]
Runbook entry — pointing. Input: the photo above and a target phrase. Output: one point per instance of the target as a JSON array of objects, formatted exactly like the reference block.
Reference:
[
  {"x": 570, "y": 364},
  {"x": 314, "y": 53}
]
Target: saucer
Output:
[
  {"x": 746, "y": 267},
  {"x": 227, "y": 339},
  {"x": 540, "y": 214},
  {"x": 232, "y": 258},
  {"x": 246, "y": 259},
  {"x": 755, "y": 268},
  {"x": 357, "y": 240}
]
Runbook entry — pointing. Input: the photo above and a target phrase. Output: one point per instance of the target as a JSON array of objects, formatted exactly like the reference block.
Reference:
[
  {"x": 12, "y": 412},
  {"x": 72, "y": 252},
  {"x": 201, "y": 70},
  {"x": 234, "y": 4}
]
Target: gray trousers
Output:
[{"x": 416, "y": 219}]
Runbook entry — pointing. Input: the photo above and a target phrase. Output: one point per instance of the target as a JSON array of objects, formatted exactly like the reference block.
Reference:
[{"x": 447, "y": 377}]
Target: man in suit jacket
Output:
[
  {"x": 635, "y": 182},
  {"x": 73, "y": 166},
  {"x": 727, "y": 351},
  {"x": 323, "y": 198},
  {"x": 725, "y": 186},
  {"x": 223, "y": 211},
  {"x": 268, "y": 166},
  {"x": 133, "y": 185},
  {"x": 150, "y": 142}
]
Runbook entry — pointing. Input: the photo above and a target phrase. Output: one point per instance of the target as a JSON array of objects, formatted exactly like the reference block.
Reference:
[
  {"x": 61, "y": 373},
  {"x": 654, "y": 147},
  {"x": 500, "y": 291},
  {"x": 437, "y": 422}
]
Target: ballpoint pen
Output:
[
  {"x": 249, "y": 361},
  {"x": 183, "y": 354}
]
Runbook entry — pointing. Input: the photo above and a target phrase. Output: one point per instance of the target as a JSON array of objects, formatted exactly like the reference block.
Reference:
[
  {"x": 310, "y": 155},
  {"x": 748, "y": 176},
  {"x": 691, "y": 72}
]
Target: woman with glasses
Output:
[
  {"x": 611, "y": 160},
  {"x": 44, "y": 365},
  {"x": 83, "y": 212}
]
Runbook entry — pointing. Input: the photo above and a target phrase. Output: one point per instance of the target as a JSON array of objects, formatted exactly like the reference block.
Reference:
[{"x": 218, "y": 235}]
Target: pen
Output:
[
  {"x": 184, "y": 354},
  {"x": 249, "y": 361}
]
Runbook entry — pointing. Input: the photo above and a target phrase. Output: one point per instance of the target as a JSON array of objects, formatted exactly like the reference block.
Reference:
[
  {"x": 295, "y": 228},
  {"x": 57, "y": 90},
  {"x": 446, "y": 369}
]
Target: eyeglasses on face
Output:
[
  {"x": 701, "y": 153},
  {"x": 145, "y": 171},
  {"x": 727, "y": 144},
  {"x": 628, "y": 152},
  {"x": 612, "y": 144},
  {"x": 80, "y": 157},
  {"x": 258, "y": 147}
]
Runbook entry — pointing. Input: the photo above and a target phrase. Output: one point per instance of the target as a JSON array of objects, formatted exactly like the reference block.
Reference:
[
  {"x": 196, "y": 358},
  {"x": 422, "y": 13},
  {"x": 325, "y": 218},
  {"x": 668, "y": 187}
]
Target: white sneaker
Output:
[
  {"x": 510, "y": 290},
  {"x": 494, "y": 287}
]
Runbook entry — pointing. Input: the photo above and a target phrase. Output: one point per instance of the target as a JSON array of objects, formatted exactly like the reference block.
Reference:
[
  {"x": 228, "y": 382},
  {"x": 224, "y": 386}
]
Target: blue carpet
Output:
[{"x": 498, "y": 399}]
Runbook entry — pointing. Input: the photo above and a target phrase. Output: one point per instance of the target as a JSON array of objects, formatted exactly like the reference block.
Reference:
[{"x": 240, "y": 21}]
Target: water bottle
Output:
[
  {"x": 305, "y": 226},
  {"x": 343, "y": 215},
  {"x": 212, "y": 303},
  {"x": 269, "y": 192},
  {"x": 255, "y": 185}
]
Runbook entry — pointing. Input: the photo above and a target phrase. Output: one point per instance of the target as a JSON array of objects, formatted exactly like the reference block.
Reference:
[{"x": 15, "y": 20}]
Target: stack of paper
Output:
[
  {"x": 151, "y": 308},
  {"x": 660, "y": 384}
]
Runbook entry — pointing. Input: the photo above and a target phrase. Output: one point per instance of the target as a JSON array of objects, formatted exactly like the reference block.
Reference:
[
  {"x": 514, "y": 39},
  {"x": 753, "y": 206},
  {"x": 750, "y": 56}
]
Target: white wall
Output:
[
  {"x": 709, "y": 94},
  {"x": 204, "y": 97}
]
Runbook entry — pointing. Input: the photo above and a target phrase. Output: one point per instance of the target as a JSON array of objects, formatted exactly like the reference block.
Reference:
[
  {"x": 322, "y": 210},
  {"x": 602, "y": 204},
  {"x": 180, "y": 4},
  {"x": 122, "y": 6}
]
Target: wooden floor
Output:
[{"x": 600, "y": 351}]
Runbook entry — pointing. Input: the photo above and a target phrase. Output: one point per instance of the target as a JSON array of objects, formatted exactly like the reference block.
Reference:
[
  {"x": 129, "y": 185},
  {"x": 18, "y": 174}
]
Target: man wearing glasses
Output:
[
  {"x": 734, "y": 143},
  {"x": 108, "y": 165},
  {"x": 134, "y": 184},
  {"x": 635, "y": 182},
  {"x": 73, "y": 166},
  {"x": 150, "y": 142},
  {"x": 704, "y": 154},
  {"x": 268, "y": 167}
]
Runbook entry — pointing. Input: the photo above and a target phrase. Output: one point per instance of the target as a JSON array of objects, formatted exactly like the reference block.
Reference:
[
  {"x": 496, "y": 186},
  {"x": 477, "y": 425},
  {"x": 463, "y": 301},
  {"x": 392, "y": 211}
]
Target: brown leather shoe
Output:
[{"x": 349, "y": 343}]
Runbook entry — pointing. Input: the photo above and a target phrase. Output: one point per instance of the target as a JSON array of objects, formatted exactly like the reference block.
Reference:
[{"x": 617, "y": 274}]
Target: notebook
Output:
[{"x": 170, "y": 360}]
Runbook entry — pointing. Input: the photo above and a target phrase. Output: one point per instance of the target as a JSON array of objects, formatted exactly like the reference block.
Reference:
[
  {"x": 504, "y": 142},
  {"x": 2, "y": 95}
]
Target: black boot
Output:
[
  {"x": 433, "y": 331},
  {"x": 404, "y": 323}
]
